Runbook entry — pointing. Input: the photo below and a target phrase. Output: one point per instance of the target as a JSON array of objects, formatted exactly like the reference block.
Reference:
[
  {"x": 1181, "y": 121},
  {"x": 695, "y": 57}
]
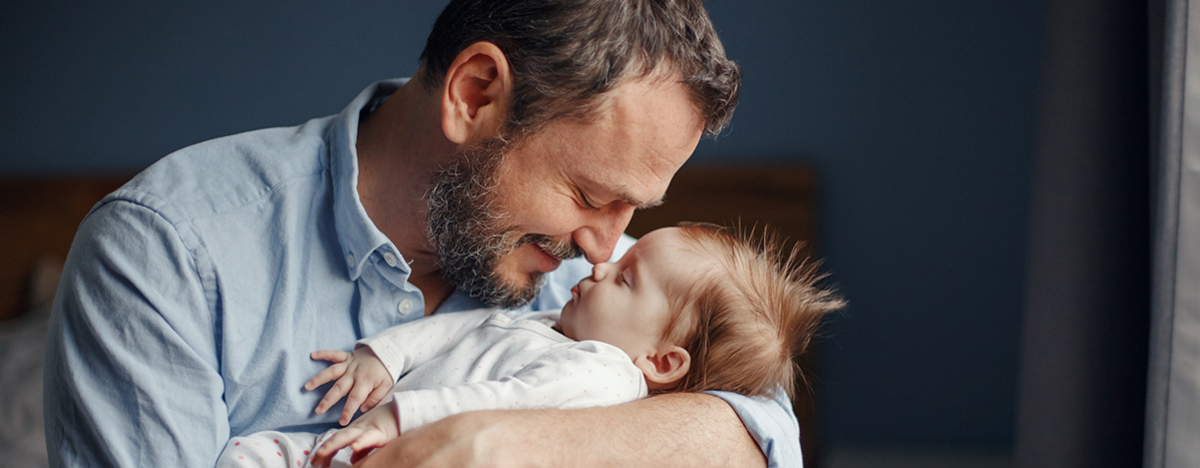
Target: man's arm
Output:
[
  {"x": 131, "y": 374},
  {"x": 676, "y": 430}
]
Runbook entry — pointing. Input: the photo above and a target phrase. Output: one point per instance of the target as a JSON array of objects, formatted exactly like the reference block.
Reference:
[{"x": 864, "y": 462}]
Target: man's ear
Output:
[
  {"x": 475, "y": 93},
  {"x": 665, "y": 367}
]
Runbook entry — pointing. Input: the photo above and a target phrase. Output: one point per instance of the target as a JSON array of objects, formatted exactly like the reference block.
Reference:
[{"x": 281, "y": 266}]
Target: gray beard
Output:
[{"x": 469, "y": 233}]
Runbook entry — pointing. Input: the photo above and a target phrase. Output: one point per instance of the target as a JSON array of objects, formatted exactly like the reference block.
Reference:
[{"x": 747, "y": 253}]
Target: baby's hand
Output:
[
  {"x": 369, "y": 432},
  {"x": 361, "y": 374}
]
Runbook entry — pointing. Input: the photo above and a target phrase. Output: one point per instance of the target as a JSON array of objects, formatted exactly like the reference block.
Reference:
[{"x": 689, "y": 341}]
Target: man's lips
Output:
[
  {"x": 546, "y": 262},
  {"x": 575, "y": 292}
]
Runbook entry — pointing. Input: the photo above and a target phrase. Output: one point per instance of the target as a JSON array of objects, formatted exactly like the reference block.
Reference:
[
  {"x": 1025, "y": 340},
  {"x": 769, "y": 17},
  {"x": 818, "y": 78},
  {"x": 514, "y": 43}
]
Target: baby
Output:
[{"x": 686, "y": 309}]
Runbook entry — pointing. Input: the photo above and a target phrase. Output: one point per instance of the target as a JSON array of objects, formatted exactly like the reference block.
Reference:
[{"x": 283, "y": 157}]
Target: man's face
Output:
[
  {"x": 470, "y": 234},
  {"x": 504, "y": 215}
]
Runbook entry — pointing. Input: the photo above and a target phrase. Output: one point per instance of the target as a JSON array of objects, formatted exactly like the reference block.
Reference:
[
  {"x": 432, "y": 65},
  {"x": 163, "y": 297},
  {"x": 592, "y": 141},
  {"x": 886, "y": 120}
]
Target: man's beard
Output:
[{"x": 469, "y": 233}]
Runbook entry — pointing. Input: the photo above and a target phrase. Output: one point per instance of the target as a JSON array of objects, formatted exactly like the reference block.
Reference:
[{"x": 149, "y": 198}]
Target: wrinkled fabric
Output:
[{"x": 194, "y": 294}]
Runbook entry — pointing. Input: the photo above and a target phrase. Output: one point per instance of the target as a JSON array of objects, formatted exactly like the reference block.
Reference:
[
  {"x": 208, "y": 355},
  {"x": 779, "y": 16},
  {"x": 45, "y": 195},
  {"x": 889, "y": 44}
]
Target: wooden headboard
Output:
[
  {"x": 782, "y": 197},
  {"x": 40, "y": 217}
]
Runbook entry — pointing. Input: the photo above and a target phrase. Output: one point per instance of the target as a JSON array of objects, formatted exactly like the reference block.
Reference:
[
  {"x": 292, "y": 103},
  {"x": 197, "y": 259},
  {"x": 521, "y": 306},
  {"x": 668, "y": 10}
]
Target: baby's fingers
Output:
[
  {"x": 369, "y": 440},
  {"x": 377, "y": 395},
  {"x": 330, "y": 355},
  {"x": 340, "y": 439},
  {"x": 335, "y": 393},
  {"x": 353, "y": 401},
  {"x": 330, "y": 373}
]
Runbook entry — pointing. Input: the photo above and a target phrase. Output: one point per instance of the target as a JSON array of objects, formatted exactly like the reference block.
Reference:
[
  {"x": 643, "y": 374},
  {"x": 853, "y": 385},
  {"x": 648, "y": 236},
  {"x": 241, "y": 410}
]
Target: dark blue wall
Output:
[
  {"x": 90, "y": 86},
  {"x": 920, "y": 116}
]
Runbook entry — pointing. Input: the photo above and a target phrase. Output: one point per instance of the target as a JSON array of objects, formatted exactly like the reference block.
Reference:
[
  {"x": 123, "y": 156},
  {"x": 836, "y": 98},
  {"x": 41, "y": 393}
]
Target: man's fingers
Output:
[
  {"x": 333, "y": 372},
  {"x": 330, "y": 355}
]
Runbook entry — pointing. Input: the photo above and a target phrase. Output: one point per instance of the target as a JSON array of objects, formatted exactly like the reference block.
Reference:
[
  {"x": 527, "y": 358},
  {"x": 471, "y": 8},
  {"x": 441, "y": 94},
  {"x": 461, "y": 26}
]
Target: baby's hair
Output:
[{"x": 747, "y": 316}]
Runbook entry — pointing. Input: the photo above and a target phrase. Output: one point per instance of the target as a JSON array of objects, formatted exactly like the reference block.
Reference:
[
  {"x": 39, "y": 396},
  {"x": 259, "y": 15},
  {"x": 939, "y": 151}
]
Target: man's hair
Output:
[
  {"x": 747, "y": 317},
  {"x": 565, "y": 54}
]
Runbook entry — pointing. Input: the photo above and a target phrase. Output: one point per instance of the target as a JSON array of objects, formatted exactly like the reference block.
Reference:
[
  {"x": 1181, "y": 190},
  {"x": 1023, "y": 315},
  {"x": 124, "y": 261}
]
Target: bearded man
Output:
[{"x": 530, "y": 133}]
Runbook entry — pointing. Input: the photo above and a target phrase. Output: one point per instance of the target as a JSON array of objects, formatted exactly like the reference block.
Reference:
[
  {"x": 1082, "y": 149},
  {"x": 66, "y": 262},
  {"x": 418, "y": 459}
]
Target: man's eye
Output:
[{"x": 586, "y": 202}]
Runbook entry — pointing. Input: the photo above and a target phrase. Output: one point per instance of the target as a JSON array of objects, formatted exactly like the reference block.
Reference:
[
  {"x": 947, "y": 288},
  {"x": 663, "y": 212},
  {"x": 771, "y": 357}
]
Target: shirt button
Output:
[
  {"x": 390, "y": 259},
  {"x": 350, "y": 259},
  {"x": 405, "y": 306}
]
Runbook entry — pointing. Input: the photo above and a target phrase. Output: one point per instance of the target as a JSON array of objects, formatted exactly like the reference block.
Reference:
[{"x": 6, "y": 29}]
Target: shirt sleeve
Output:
[
  {"x": 403, "y": 347},
  {"x": 772, "y": 424},
  {"x": 586, "y": 374},
  {"x": 131, "y": 370}
]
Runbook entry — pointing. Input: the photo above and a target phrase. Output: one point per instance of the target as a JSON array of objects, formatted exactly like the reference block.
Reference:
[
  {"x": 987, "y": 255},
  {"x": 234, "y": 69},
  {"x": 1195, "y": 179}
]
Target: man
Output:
[{"x": 530, "y": 134}]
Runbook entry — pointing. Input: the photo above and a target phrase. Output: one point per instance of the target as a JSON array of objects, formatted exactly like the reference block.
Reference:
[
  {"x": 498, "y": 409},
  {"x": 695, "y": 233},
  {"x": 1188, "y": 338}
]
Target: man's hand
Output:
[
  {"x": 369, "y": 432},
  {"x": 361, "y": 374},
  {"x": 677, "y": 430}
]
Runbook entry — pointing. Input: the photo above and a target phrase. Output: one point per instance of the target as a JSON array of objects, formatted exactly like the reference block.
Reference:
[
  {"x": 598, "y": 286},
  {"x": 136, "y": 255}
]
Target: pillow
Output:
[{"x": 22, "y": 356}]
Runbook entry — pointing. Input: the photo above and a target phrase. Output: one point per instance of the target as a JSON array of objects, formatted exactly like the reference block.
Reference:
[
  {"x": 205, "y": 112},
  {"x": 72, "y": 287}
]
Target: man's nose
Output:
[
  {"x": 597, "y": 246},
  {"x": 598, "y": 240}
]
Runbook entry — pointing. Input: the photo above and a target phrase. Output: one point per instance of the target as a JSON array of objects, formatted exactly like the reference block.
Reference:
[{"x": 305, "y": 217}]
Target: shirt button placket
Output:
[{"x": 405, "y": 306}]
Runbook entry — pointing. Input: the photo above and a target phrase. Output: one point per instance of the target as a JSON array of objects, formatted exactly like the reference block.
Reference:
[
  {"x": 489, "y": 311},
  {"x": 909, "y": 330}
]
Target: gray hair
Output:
[{"x": 565, "y": 54}]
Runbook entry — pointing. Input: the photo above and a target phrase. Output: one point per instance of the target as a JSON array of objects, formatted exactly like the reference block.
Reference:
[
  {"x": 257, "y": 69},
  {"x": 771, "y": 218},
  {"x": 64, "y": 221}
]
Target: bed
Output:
[
  {"x": 40, "y": 216},
  {"x": 39, "y": 219}
]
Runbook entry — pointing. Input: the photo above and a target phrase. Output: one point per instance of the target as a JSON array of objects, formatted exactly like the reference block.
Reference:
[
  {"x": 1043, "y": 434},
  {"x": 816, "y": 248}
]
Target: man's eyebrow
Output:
[{"x": 629, "y": 199}]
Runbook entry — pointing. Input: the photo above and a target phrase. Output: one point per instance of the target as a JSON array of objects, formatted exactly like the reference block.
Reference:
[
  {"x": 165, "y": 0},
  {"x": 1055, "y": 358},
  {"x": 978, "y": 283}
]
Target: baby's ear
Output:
[{"x": 665, "y": 367}]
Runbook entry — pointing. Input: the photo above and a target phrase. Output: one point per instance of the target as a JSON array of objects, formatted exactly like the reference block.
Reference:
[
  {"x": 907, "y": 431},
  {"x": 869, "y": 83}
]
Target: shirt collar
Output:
[{"x": 357, "y": 234}]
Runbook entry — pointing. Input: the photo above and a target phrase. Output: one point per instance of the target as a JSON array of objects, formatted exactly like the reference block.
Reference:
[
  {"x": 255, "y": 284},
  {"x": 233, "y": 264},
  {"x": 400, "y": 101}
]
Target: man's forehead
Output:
[
  {"x": 635, "y": 184},
  {"x": 631, "y": 147}
]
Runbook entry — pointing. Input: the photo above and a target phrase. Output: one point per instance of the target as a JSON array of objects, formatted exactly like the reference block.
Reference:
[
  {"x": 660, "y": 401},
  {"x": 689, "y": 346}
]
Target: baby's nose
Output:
[{"x": 600, "y": 271}]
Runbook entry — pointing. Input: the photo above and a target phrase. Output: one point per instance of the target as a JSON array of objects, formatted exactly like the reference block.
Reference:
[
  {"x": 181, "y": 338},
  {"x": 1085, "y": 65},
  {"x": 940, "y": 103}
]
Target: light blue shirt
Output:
[{"x": 194, "y": 294}]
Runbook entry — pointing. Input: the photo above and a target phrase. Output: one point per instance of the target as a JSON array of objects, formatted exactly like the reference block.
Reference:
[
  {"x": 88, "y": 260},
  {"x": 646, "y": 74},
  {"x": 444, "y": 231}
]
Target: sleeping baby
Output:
[{"x": 686, "y": 309}]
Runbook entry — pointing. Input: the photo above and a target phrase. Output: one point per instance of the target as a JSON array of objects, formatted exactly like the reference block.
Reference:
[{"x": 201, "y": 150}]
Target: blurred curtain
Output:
[
  {"x": 1082, "y": 394},
  {"x": 1173, "y": 395}
]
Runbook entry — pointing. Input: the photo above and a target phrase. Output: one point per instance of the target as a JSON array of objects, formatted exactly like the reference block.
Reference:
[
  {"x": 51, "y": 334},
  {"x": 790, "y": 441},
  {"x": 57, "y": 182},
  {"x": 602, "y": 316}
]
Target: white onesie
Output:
[{"x": 467, "y": 361}]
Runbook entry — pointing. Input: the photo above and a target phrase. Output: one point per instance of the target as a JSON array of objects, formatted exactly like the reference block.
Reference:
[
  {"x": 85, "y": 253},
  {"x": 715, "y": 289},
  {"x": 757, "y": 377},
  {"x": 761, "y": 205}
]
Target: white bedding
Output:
[{"x": 22, "y": 353}]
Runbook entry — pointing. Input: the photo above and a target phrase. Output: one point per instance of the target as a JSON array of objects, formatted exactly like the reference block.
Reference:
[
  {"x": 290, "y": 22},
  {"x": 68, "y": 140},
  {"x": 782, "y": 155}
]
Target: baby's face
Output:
[{"x": 625, "y": 303}]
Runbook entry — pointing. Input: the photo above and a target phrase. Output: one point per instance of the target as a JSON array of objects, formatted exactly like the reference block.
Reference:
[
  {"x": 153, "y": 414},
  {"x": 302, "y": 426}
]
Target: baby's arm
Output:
[
  {"x": 583, "y": 375},
  {"x": 369, "y": 432},
  {"x": 365, "y": 376},
  {"x": 361, "y": 378},
  {"x": 403, "y": 347}
]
